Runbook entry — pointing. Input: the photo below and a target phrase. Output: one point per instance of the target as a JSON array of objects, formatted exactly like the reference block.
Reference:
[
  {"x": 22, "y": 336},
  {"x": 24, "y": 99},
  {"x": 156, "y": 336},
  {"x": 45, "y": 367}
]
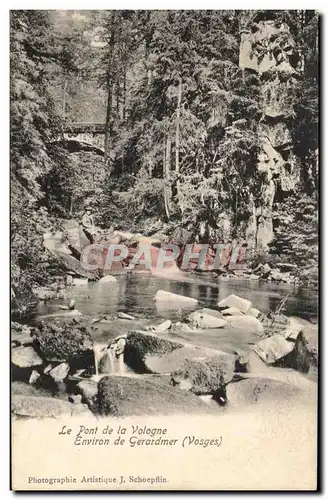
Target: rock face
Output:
[
  {"x": 65, "y": 343},
  {"x": 237, "y": 302},
  {"x": 123, "y": 396},
  {"x": 141, "y": 344},
  {"x": 268, "y": 49}
]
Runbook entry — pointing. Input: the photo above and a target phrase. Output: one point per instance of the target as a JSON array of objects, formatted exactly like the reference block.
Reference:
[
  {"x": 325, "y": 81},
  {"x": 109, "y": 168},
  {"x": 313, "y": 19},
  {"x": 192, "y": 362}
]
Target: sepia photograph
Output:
[{"x": 164, "y": 195}]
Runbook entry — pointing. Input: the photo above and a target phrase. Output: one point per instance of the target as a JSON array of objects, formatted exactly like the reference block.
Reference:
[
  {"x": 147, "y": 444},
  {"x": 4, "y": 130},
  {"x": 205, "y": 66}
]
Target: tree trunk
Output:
[
  {"x": 108, "y": 125},
  {"x": 177, "y": 147},
  {"x": 166, "y": 174},
  {"x": 124, "y": 93},
  {"x": 64, "y": 99}
]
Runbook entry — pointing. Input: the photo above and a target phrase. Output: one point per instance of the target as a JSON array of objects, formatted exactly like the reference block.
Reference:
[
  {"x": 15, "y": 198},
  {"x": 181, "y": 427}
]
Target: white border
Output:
[{"x": 321, "y": 6}]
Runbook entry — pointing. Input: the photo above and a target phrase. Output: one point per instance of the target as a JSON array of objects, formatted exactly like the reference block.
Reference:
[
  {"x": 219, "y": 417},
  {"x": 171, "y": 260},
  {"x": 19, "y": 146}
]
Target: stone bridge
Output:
[{"x": 85, "y": 136}]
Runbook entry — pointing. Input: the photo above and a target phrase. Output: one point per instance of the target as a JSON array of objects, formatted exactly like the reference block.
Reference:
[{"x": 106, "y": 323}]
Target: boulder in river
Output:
[
  {"x": 252, "y": 311},
  {"x": 295, "y": 326},
  {"x": 34, "y": 377},
  {"x": 109, "y": 278},
  {"x": 181, "y": 327},
  {"x": 163, "y": 327},
  {"x": 206, "y": 376},
  {"x": 124, "y": 396},
  {"x": 123, "y": 315},
  {"x": 65, "y": 343},
  {"x": 246, "y": 322},
  {"x": 75, "y": 398},
  {"x": 273, "y": 349},
  {"x": 140, "y": 344},
  {"x": 173, "y": 299},
  {"x": 305, "y": 353},
  {"x": 232, "y": 311},
  {"x": 172, "y": 361},
  {"x": 25, "y": 357},
  {"x": 88, "y": 389},
  {"x": 234, "y": 301},
  {"x": 60, "y": 372},
  {"x": 203, "y": 319}
]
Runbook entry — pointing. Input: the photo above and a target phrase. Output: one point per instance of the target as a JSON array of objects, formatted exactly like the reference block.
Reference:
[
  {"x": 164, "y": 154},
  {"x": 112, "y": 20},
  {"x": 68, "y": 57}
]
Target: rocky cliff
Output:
[{"x": 268, "y": 50}]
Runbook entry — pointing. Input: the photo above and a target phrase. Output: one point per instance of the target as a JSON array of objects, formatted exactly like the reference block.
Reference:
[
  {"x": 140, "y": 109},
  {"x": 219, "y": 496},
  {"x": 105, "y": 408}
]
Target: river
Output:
[{"x": 134, "y": 294}]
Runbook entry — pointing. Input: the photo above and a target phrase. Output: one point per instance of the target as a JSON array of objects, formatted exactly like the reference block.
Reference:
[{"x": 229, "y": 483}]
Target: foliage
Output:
[
  {"x": 34, "y": 129},
  {"x": 296, "y": 235}
]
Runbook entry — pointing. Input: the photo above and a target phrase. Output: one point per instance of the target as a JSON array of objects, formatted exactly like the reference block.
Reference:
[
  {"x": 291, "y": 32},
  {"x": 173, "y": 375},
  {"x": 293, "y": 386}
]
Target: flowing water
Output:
[{"x": 134, "y": 294}]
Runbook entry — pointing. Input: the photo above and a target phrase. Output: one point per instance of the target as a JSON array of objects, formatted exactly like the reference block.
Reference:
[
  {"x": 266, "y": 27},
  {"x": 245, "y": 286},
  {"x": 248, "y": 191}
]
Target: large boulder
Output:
[
  {"x": 234, "y": 301},
  {"x": 174, "y": 300},
  {"x": 163, "y": 327},
  {"x": 65, "y": 343},
  {"x": 53, "y": 241},
  {"x": 60, "y": 372},
  {"x": 76, "y": 237},
  {"x": 42, "y": 407},
  {"x": 252, "y": 311},
  {"x": 246, "y": 322},
  {"x": 25, "y": 357},
  {"x": 205, "y": 319},
  {"x": 305, "y": 353},
  {"x": 109, "y": 278},
  {"x": 260, "y": 390},
  {"x": 273, "y": 349},
  {"x": 296, "y": 325},
  {"x": 206, "y": 376},
  {"x": 170, "y": 362},
  {"x": 88, "y": 389},
  {"x": 139, "y": 345},
  {"x": 70, "y": 264},
  {"x": 123, "y": 315},
  {"x": 232, "y": 311},
  {"x": 124, "y": 396}
]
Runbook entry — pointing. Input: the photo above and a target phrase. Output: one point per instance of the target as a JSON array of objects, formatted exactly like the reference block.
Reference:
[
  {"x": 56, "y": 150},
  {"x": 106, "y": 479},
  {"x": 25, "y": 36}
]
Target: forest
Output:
[{"x": 195, "y": 139}]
